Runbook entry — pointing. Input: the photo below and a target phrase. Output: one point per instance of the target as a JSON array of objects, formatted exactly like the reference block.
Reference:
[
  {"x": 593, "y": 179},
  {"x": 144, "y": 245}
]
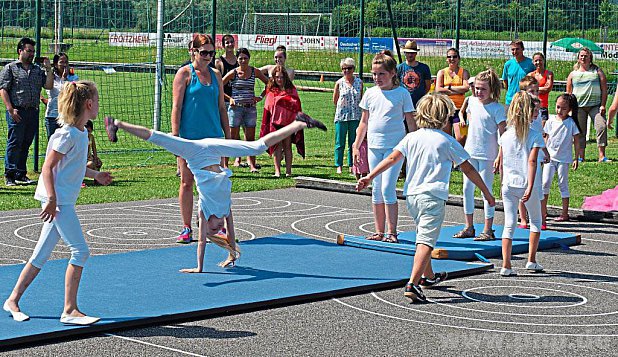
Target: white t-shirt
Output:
[
  {"x": 431, "y": 154},
  {"x": 515, "y": 157},
  {"x": 386, "y": 120},
  {"x": 560, "y": 138},
  {"x": 70, "y": 170},
  {"x": 483, "y": 120}
]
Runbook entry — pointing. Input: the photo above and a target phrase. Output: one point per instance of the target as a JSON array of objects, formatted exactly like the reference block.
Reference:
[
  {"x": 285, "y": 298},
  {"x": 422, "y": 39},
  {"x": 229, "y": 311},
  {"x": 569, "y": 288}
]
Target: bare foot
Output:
[{"x": 190, "y": 270}]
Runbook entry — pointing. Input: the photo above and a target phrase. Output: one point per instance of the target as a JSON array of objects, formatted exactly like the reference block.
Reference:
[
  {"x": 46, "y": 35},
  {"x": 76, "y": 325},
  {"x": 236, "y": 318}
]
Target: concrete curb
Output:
[{"x": 552, "y": 211}]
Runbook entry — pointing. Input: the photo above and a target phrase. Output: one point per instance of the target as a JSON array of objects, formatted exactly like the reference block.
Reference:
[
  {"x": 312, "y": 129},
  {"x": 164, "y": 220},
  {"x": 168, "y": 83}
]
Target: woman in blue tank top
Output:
[{"x": 198, "y": 112}]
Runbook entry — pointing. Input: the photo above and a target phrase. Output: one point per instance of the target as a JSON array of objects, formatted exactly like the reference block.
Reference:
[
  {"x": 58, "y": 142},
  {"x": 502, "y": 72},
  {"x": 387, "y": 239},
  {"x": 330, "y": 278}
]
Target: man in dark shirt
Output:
[{"x": 20, "y": 88}]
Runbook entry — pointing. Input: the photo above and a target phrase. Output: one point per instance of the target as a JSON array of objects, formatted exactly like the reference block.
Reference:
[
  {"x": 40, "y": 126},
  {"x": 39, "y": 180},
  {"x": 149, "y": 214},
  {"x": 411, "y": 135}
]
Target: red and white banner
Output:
[{"x": 291, "y": 42}]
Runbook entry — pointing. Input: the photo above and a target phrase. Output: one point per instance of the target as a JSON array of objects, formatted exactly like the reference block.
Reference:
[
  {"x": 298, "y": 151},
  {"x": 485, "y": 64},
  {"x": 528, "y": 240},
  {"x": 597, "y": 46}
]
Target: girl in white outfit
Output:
[
  {"x": 385, "y": 107},
  {"x": 561, "y": 134},
  {"x": 58, "y": 188},
  {"x": 519, "y": 166},
  {"x": 486, "y": 121},
  {"x": 213, "y": 184}
]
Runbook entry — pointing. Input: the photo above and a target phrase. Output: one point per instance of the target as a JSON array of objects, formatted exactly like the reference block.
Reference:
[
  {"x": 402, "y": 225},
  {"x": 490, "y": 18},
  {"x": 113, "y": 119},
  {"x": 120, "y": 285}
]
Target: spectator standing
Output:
[
  {"x": 346, "y": 96},
  {"x": 515, "y": 70},
  {"x": 21, "y": 82},
  {"x": 62, "y": 73},
  {"x": 281, "y": 55},
  {"x": 198, "y": 112},
  {"x": 545, "y": 78},
  {"x": 414, "y": 76},
  {"x": 453, "y": 81},
  {"x": 589, "y": 85}
]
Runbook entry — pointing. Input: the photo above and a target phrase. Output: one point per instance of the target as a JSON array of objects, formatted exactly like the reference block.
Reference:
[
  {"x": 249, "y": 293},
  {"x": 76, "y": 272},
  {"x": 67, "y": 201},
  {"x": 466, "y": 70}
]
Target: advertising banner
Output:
[{"x": 371, "y": 44}]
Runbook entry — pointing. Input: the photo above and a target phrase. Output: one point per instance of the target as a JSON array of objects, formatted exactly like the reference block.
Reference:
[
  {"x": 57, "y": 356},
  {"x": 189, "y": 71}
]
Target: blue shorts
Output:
[{"x": 242, "y": 116}]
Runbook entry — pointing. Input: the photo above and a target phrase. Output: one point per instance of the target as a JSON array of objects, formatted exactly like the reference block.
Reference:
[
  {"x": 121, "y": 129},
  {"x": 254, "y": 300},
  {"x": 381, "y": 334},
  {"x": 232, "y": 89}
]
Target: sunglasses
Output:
[
  {"x": 229, "y": 42},
  {"x": 452, "y": 57},
  {"x": 347, "y": 68},
  {"x": 206, "y": 53}
]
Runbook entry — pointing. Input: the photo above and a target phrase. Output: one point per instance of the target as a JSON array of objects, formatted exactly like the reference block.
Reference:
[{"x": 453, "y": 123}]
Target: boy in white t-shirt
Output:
[{"x": 430, "y": 155}]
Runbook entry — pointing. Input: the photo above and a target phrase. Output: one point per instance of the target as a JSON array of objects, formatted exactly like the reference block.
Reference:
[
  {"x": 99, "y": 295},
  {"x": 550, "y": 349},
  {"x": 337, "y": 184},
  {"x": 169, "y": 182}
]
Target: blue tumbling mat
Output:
[
  {"x": 145, "y": 287},
  {"x": 465, "y": 249}
]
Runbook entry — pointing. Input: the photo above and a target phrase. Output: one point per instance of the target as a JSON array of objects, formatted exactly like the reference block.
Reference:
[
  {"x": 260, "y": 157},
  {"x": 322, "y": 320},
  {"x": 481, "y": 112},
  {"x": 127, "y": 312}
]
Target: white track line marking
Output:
[{"x": 154, "y": 345}]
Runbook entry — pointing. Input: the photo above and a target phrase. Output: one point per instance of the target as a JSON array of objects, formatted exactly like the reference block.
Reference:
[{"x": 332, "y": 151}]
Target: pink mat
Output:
[{"x": 605, "y": 202}]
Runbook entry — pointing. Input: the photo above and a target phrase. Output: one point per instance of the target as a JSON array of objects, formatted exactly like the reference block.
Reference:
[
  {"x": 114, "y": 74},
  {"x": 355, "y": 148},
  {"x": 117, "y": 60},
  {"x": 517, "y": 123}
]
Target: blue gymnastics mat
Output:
[
  {"x": 145, "y": 287},
  {"x": 465, "y": 249}
]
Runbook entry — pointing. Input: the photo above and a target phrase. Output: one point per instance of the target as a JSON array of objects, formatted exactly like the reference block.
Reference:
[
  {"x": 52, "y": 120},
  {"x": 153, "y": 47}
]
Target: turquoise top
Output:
[{"x": 200, "y": 116}]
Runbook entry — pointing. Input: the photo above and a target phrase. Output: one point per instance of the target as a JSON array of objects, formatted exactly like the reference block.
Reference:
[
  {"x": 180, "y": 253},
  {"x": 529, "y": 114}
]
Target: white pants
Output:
[
  {"x": 383, "y": 186},
  {"x": 65, "y": 225},
  {"x": 486, "y": 170},
  {"x": 560, "y": 168},
  {"x": 510, "y": 199}
]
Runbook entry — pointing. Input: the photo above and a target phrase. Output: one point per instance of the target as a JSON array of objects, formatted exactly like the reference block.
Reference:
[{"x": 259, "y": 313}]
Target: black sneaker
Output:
[
  {"x": 24, "y": 180},
  {"x": 414, "y": 293},
  {"x": 10, "y": 181},
  {"x": 111, "y": 129},
  {"x": 437, "y": 278},
  {"x": 311, "y": 123}
]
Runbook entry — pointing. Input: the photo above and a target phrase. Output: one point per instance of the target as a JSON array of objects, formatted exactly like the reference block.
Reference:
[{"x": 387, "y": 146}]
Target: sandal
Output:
[
  {"x": 390, "y": 238},
  {"x": 486, "y": 236},
  {"x": 467, "y": 232},
  {"x": 376, "y": 236}
]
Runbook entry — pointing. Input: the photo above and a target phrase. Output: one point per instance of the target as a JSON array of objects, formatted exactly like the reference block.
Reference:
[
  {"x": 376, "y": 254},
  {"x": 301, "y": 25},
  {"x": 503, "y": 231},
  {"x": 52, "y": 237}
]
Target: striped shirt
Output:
[
  {"x": 243, "y": 90},
  {"x": 24, "y": 86},
  {"x": 587, "y": 87}
]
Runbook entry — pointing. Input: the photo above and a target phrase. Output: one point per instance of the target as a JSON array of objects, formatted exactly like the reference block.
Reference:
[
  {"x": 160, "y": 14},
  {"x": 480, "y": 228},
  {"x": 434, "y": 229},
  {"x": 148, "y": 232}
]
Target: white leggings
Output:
[
  {"x": 383, "y": 186},
  {"x": 65, "y": 225},
  {"x": 486, "y": 170},
  {"x": 197, "y": 150},
  {"x": 560, "y": 168},
  {"x": 510, "y": 199}
]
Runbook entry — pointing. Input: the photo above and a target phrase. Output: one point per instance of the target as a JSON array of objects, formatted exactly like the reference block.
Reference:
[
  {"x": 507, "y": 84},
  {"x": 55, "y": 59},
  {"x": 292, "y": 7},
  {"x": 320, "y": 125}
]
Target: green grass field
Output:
[{"x": 143, "y": 172}]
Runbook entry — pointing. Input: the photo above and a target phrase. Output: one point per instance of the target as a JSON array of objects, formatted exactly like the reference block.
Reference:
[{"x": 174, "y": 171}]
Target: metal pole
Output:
[
  {"x": 545, "y": 29},
  {"x": 214, "y": 21},
  {"x": 457, "y": 23},
  {"x": 37, "y": 36},
  {"x": 160, "y": 70},
  {"x": 393, "y": 28},
  {"x": 362, "y": 39}
]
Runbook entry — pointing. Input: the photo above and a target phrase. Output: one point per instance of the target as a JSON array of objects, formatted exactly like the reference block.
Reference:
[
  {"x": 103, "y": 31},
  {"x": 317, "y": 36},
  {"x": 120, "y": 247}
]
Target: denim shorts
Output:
[
  {"x": 242, "y": 116},
  {"x": 428, "y": 213}
]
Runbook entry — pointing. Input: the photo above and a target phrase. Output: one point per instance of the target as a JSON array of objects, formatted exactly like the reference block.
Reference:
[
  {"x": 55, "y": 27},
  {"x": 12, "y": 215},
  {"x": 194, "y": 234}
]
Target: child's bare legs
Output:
[
  {"x": 565, "y": 208},
  {"x": 277, "y": 154},
  {"x": 544, "y": 211},
  {"x": 422, "y": 258},
  {"x": 137, "y": 130},
  {"x": 26, "y": 277},
  {"x": 533, "y": 246},
  {"x": 379, "y": 217},
  {"x": 392, "y": 214},
  {"x": 507, "y": 247},
  {"x": 276, "y": 137},
  {"x": 287, "y": 153},
  {"x": 250, "y": 136},
  {"x": 469, "y": 221},
  {"x": 71, "y": 285},
  {"x": 523, "y": 214}
]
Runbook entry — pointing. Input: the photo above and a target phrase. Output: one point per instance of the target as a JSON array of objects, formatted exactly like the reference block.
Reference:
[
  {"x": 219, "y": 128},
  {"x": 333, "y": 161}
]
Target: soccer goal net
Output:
[{"x": 276, "y": 23}]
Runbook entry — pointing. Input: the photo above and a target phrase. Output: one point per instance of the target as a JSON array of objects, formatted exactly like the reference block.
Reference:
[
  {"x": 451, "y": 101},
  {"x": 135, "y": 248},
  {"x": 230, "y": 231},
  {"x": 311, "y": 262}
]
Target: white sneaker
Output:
[
  {"x": 534, "y": 266},
  {"x": 507, "y": 272},
  {"x": 17, "y": 315},
  {"x": 81, "y": 320}
]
